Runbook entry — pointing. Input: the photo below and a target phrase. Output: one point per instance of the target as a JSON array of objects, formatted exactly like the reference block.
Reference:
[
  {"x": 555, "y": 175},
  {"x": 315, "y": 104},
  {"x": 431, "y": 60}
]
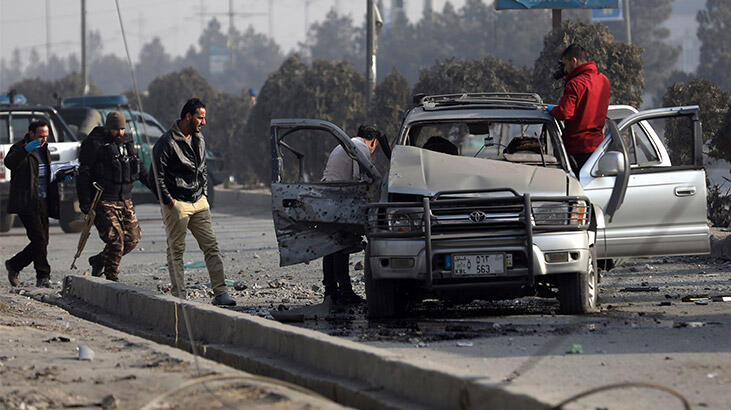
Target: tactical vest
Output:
[{"x": 116, "y": 165}]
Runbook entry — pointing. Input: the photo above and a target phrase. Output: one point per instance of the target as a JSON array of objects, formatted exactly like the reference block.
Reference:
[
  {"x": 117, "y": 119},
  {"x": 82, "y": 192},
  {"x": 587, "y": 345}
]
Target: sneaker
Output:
[
  {"x": 97, "y": 265},
  {"x": 350, "y": 298},
  {"x": 223, "y": 300},
  {"x": 43, "y": 283},
  {"x": 13, "y": 275}
]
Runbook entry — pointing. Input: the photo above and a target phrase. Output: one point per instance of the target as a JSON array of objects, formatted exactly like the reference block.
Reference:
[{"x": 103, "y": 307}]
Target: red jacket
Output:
[{"x": 583, "y": 108}]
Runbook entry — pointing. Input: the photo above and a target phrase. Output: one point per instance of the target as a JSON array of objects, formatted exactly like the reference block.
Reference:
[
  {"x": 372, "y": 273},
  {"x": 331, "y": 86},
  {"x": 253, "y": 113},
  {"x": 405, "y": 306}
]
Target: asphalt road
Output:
[{"x": 648, "y": 335}]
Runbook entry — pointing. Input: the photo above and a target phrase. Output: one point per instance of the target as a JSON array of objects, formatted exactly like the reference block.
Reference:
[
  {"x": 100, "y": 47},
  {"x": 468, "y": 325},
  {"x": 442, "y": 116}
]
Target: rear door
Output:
[
  {"x": 664, "y": 209},
  {"x": 313, "y": 219}
]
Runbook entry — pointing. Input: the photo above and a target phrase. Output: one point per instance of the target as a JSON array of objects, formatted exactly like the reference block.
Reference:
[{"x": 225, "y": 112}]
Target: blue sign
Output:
[
  {"x": 608, "y": 14},
  {"x": 557, "y": 4}
]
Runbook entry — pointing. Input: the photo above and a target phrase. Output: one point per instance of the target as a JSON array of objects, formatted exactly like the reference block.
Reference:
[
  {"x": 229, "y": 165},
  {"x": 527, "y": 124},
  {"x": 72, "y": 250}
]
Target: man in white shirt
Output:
[{"x": 340, "y": 167}]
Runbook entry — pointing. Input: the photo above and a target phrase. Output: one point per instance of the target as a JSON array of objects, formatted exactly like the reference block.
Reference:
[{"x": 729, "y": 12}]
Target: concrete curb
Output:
[
  {"x": 348, "y": 372},
  {"x": 253, "y": 199}
]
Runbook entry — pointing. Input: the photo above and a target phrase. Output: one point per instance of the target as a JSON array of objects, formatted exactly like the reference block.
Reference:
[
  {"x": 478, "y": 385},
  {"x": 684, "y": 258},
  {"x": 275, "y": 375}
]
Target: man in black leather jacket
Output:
[
  {"x": 181, "y": 176},
  {"x": 108, "y": 157}
]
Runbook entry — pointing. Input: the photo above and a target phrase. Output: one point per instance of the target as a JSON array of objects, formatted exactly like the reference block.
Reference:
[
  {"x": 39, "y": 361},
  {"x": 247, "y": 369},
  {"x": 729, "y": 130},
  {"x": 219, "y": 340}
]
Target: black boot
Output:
[
  {"x": 97, "y": 264},
  {"x": 13, "y": 275}
]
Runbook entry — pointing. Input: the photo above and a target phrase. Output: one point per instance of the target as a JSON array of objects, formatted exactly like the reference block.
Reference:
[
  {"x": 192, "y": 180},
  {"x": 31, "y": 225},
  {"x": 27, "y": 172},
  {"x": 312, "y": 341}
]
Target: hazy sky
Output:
[{"x": 178, "y": 22}]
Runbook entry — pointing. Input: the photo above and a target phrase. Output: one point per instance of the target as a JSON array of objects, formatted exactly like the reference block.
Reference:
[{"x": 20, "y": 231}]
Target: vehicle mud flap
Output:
[{"x": 381, "y": 295}]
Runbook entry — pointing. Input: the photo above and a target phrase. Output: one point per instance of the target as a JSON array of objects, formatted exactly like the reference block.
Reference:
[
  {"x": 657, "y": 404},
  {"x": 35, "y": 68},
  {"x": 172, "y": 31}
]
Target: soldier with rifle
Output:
[{"x": 108, "y": 158}]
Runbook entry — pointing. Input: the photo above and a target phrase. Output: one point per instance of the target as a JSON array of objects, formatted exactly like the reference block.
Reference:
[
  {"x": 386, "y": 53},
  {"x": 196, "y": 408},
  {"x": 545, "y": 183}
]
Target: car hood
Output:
[{"x": 418, "y": 171}]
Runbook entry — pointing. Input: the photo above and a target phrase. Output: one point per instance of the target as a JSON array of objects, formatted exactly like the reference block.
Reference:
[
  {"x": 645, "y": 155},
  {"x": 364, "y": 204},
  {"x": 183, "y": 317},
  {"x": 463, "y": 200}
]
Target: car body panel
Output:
[
  {"x": 312, "y": 220},
  {"x": 665, "y": 206},
  {"x": 418, "y": 171}
]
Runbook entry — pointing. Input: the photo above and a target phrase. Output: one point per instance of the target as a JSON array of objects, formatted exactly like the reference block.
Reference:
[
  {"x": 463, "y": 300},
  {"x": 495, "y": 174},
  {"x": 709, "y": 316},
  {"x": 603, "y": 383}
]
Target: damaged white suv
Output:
[{"x": 480, "y": 202}]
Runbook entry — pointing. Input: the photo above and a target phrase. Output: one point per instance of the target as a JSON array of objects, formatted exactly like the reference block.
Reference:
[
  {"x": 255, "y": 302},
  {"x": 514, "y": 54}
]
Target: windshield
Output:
[{"x": 529, "y": 142}]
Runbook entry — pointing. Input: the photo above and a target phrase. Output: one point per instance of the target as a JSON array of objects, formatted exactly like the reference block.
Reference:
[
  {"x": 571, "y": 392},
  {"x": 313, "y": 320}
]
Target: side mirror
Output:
[{"x": 610, "y": 164}]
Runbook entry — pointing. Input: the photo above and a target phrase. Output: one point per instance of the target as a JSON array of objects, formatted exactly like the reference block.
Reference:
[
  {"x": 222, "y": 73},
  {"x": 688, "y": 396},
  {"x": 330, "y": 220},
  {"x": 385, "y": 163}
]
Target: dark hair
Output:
[
  {"x": 574, "y": 51},
  {"x": 191, "y": 106},
  {"x": 368, "y": 132},
  {"x": 34, "y": 125}
]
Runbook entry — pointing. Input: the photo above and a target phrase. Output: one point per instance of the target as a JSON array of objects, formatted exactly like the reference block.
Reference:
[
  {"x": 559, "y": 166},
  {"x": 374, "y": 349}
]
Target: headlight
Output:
[
  {"x": 404, "y": 221},
  {"x": 560, "y": 213}
]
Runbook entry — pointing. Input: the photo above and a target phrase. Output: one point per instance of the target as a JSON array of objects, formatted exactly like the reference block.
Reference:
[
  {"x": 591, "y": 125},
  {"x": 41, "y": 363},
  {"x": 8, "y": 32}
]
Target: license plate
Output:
[{"x": 479, "y": 264}]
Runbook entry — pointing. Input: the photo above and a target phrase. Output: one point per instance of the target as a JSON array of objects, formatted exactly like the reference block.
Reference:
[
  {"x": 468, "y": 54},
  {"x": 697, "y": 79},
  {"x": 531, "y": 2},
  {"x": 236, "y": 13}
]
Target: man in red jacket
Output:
[{"x": 583, "y": 106}]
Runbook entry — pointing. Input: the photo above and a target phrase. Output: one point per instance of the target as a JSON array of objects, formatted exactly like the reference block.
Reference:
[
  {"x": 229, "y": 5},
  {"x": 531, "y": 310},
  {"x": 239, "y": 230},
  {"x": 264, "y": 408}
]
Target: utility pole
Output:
[
  {"x": 271, "y": 19},
  {"x": 627, "y": 22},
  {"x": 428, "y": 9},
  {"x": 230, "y": 15},
  {"x": 556, "y": 13},
  {"x": 371, "y": 45},
  {"x": 84, "y": 73},
  {"x": 48, "y": 33}
]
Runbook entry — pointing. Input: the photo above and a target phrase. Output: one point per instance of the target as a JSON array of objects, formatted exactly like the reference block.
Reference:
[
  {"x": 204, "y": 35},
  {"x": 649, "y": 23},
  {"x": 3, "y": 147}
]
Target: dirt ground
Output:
[{"x": 40, "y": 368}]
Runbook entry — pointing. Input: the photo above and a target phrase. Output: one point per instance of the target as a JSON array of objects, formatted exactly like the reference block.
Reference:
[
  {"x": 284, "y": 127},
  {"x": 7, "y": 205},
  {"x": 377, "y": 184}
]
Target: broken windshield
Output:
[{"x": 528, "y": 142}]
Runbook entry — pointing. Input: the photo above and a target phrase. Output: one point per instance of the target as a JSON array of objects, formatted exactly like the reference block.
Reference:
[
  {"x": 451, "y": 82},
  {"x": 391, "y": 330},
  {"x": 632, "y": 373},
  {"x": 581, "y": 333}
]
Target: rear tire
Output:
[
  {"x": 578, "y": 292},
  {"x": 70, "y": 220},
  {"x": 381, "y": 294}
]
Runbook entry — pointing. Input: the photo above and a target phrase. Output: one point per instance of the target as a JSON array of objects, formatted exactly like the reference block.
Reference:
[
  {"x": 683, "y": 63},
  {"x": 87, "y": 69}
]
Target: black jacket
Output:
[
  {"x": 113, "y": 166},
  {"x": 181, "y": 166},
  {"x": 23, "y": 166}
]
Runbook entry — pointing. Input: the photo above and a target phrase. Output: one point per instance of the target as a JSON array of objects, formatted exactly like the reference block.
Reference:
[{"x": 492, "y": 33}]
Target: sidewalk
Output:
[{"x": 40, "y": 369}]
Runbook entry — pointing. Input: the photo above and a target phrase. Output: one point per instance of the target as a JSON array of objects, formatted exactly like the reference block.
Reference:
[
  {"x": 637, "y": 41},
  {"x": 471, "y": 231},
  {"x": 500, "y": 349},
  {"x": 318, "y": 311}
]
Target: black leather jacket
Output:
[
  {"x": 113, "y": 166},
  {"x": 181, "y": 166}
]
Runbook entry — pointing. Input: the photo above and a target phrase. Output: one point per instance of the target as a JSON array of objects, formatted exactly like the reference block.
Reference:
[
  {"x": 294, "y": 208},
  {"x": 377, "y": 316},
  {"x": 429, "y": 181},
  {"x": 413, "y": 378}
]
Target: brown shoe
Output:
[{"x": 13, "y": 275}]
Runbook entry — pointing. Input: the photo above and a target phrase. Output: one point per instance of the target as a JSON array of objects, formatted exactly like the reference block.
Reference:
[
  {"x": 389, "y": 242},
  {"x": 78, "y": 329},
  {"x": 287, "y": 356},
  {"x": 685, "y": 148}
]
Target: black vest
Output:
[{"x": 116, "y": 165}]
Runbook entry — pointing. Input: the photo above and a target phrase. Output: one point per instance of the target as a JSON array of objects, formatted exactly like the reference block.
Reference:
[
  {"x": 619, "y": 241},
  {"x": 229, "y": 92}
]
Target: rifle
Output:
[{"x": 88, "y": 222}]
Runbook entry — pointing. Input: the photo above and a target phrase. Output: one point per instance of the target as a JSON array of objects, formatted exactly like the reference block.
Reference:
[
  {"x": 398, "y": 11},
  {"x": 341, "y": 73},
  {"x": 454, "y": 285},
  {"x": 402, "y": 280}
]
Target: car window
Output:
[
  {"x": 4, "y": 133},
  {"x": 154, "y": 132},
  {"x": 644, "y": 150},
  {"x": 19, "y": 125},
  {"x": 528, "y": 142}
]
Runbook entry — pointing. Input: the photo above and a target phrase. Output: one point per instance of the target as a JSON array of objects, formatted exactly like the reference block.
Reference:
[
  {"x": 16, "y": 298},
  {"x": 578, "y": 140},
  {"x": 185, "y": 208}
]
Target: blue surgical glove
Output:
[
  {"x": 33, "y": 145},
  {"x": 550, "y": 108},
  {"x": 68, "y": 178}
]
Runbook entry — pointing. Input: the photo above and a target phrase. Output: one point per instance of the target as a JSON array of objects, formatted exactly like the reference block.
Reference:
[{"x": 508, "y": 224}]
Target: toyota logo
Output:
[{"x": 478, "y": 216}]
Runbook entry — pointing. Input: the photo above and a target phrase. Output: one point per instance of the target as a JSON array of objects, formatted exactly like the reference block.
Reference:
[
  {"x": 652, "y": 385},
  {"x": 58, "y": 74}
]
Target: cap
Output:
[{"x": 115, "y": 121}]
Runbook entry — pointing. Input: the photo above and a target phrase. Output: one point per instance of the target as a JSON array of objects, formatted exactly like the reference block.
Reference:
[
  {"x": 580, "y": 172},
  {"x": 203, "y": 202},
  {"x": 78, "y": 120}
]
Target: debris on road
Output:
[
  {"x": 358, "y": 266},
  {"x": 575, "y": 349},
  {"x": 688, "y": 324},
  {"x": 58, "y": 339},
  {"x": 693, "y": 298},
  {"x": 240, "y": 285},
  {"x": 641, "y": 289},
  {"x": 721, "y": 298},
  {"x": 195, "y": 265},
  {"x": 465, "y": 344},
  {"x": 85, "y": 353}
]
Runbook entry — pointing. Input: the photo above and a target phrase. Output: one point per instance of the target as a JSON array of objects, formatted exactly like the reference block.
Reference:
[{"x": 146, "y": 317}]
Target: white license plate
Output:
[{"x": 479, "y": 264}]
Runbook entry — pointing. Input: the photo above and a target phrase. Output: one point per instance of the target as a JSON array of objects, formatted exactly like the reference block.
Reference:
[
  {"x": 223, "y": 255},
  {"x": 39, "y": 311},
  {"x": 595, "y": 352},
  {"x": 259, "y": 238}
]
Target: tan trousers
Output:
[{"x": 196, "y": 217}]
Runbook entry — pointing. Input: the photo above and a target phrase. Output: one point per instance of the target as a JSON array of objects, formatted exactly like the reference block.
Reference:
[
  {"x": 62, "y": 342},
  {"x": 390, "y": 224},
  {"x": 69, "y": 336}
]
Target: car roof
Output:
[
  {"x": 477, "y": 112},
  {"x": 5, "y": 108}
]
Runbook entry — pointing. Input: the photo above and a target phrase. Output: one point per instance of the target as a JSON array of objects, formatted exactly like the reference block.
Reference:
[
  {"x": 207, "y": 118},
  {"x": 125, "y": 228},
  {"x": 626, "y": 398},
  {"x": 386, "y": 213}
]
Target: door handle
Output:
[{"x": 684, "y": 190}]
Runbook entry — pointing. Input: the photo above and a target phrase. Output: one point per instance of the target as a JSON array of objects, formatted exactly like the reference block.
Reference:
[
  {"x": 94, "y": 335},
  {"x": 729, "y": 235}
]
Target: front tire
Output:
[{"x": 578, "y": 292}]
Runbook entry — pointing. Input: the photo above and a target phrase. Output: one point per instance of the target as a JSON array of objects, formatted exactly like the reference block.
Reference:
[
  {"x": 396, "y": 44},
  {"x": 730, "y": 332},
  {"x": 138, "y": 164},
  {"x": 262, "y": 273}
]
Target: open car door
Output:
[
  {"x": 664, "y": 208},
  {"x": 313, "y": 219}
]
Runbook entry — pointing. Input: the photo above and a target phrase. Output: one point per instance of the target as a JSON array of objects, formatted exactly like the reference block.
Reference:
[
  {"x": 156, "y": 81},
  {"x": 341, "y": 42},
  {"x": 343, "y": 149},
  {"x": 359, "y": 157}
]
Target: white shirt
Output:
[{"x": 340, "y": 167}]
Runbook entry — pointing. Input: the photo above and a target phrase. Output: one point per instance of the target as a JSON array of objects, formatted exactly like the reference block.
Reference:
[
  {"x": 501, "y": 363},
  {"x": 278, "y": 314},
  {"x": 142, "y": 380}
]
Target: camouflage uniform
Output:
[{"x": 117, "y": 224}]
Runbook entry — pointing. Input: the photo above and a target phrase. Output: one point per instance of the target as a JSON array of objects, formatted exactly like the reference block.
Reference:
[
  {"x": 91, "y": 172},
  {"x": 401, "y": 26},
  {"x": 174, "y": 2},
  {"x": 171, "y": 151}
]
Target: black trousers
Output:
[
  {"x": 335, "y": 275},
  {"x": 36, "y": 252},
  {"x": 580, "y": 160}
]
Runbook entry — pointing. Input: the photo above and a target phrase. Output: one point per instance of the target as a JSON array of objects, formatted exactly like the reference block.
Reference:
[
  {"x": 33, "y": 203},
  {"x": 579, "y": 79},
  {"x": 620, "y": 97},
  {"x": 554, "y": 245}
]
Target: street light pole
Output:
[
  {"x": 370, "y": 53},
  {"x": 84, "y": 73},
  {"x": 627, "y": 22}
]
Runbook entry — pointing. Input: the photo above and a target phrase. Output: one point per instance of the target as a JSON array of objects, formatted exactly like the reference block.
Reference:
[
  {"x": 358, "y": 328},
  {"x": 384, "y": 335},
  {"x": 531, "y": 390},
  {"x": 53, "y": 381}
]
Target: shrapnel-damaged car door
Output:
[
  {"x": 313, "y": 219},
  {"x": 664, "y": 209}
]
